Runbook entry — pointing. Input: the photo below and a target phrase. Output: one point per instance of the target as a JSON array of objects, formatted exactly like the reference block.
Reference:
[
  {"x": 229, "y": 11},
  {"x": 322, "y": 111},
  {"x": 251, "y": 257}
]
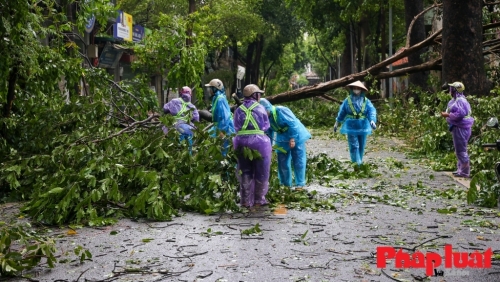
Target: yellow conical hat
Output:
[{"x": 358, "y": 84}]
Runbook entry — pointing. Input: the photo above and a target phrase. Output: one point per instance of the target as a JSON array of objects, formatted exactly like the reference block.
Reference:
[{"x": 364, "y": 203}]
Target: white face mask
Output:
[{"x": 356, "y": 91}]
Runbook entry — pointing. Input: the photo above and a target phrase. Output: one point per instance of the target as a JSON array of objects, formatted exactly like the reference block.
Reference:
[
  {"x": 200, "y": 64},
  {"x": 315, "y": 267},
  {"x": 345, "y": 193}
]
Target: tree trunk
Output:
[
  {"x": 234, "y": 65},
  {"x": 364, "y": 41},
  {"x": 462, "y": 45},
  {"x": 189, "y": 31},
  {"x": 383, "y": 39},
  {"x": 383, "y": 35},
  {"x": 258, "y": 55},
  {"x": 249, "y": 63},
  {"x": 11, "y": 91},
  {"x": 417, "y": 34},
  {"x": 345, "y": 61}
]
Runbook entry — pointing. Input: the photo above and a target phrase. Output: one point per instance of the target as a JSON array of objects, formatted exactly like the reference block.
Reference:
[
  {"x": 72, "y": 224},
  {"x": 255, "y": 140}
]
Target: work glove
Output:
[
  {"x": 373, "y": 125},
  {"x": 450, "y": 127},
  {"x": 335, "y": 127}
]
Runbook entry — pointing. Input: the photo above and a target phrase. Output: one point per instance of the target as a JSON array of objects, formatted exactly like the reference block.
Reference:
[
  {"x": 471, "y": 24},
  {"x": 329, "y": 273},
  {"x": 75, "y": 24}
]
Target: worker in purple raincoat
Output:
[
  {"x": 458, "y": 115},
  {"x": 250, "y": 123},
  {"x": 185, "y": 114}
]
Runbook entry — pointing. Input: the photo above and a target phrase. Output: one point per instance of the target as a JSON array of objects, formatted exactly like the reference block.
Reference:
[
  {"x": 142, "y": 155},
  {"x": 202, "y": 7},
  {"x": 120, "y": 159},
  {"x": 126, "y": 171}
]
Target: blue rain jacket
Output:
[
  {"x": 287, "y": 126},
  {"x": 221, "y": 114},
  {"x": 267, "y": 105},
  {"x": 358, "y": 122}
]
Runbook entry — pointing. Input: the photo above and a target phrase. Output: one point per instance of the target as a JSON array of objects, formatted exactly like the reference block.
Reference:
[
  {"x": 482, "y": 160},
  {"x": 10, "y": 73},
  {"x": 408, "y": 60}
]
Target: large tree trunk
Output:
[
  {"x": 234, "y": 65},
  {"x": 258, "y": 55},
  {"x": 11, "y": 91},
  {"x": 383, "y": 39},
  {"x": 462, "y": 45},
  {"x": 249, "y": 63},
  {"x": 364, "y": 34},
  {"x": 417, "y": 34},
  {"x": 189, "y": 31},
  {"x": 383, "y": 34},
  {"x": 345, "y": 61}
]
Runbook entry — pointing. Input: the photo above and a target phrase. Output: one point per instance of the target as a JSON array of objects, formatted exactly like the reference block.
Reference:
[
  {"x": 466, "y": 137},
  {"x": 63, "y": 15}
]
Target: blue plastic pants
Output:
[
  {"x": 357, "y": 145},
  {"x": 189, "y": 140},
  {"x": 298, "y": 157}
]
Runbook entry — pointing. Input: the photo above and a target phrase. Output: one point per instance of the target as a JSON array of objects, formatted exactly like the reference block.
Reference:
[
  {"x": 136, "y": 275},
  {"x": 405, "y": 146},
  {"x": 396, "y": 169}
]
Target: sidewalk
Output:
[{"x": 407, "y": 206}]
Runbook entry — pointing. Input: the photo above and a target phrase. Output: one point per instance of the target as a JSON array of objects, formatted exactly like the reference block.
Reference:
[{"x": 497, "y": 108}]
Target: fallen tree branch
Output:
[
  {"x": 128, "y": 128},
  {"x": 125, "y": 91},
  {"x": 432, "y": 65},
  {"x": 330, "y": 99},
  {"x": 377, "y": 70},
  {"x": 322, "y": 88},
  {"x": 390, "y": 277},
  {"x": 435, "y": 5},
  {"x": 187, "y": 256}
]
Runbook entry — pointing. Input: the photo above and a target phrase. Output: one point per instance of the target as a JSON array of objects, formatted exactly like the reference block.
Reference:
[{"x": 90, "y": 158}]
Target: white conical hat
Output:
[{"x": 358, "y": 84}]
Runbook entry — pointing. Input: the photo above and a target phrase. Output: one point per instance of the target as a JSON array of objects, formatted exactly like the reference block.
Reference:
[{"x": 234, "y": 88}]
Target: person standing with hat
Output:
[
  {"x": 358, "y": 117},
  {"x": 185, "y": 113},
  {"x": 221, "y": 113},
  {"x": 251, "y": 122},
  {"x": 458, "y": 116}
]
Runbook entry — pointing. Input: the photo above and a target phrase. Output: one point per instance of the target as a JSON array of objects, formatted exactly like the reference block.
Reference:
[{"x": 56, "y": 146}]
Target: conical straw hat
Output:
[{"x": 358, "y": 84}]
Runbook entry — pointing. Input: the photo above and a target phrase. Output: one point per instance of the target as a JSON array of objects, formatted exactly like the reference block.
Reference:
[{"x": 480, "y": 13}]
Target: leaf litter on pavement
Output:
[{"x": 330, "y": 230}]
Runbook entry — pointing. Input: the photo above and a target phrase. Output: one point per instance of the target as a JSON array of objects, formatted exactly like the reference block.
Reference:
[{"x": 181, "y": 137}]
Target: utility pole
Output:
[
  {"x": 390, "y": 54},
  {"x": 352, "y": 51}
]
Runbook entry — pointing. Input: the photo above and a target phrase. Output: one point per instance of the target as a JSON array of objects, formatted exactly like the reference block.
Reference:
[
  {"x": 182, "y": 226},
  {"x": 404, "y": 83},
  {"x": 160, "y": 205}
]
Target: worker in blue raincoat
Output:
[
  {"x": 358, "y": 117},
  {"x": 291, "y": 137},
  {"x": 221, "y": 113}
]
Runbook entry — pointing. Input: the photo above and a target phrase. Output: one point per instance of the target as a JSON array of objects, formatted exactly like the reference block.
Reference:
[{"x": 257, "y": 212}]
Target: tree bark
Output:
[
  {"x": 11, "y": 91},
  {"x": 345, "y": 61},
  {"x": 249, "y": 63},
  {"x": 258, "y": 55},
  {"x": 417, "y": 34},
  {"x": 234, "y": 65},
  {"x": 189, "y": 31},
  {"x": 364, "y": 34},
  {"x": 462, "y": 45}
]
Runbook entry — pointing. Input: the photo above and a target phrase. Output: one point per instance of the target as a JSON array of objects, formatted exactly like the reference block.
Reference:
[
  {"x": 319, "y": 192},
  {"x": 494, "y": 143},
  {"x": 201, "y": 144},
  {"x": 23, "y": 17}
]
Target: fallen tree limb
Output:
[
  {"x": 435, "y": 5},
  {"x": 128, "y": 128},
  {"x": 330, "y": 99},
  {"x": 322, "y": 88},
  {"x": 379, "y": 70}
]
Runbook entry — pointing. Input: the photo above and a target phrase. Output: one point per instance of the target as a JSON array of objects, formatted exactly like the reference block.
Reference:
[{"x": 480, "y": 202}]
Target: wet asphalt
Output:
[{"x": 397, "y": 208}]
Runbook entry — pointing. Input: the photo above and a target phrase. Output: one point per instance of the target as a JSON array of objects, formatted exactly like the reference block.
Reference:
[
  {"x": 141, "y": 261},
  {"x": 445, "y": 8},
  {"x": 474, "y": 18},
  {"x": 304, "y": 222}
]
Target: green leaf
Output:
[{"x": 56, "y": 190}]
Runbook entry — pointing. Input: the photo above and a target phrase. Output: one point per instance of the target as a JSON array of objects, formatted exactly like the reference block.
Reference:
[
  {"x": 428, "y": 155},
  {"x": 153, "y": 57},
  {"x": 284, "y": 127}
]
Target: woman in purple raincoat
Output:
[
  {"x": 185, "y": 114},
  {"x": 250, "y": 123},
  {"x": 458, "y": 115}
]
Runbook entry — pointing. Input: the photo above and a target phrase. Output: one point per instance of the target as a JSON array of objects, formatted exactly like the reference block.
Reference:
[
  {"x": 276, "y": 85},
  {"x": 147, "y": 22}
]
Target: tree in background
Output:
[
  {"x": 282, "y": 27},
  {"x": 417, "y": 34},
  {"x": 462, "y": 50}
]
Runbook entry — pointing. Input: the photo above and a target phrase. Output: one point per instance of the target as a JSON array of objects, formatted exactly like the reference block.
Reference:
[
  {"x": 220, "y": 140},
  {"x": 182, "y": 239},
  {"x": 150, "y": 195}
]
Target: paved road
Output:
[{"x": 399, "y": 208}]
